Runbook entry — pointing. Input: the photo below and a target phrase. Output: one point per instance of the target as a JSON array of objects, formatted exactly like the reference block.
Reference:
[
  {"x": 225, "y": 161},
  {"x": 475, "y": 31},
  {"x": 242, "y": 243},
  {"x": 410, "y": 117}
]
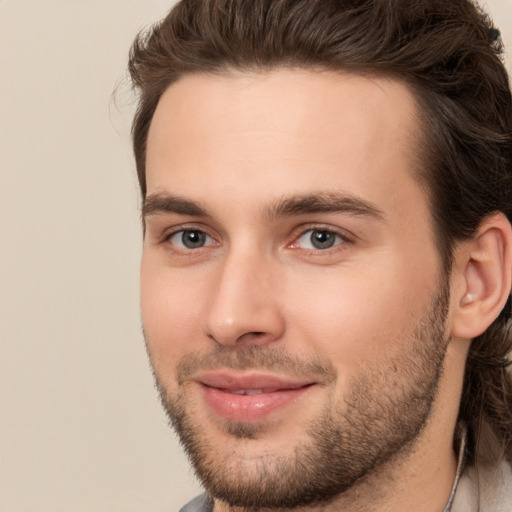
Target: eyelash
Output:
[
  {"x": 187, "y": 229},
  {"x": 341, "y": 238}
]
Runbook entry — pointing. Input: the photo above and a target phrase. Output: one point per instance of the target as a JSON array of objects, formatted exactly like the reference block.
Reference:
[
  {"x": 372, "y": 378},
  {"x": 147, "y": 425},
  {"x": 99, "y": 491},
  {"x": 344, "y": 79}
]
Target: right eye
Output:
[{"x": 191, "y": 239}]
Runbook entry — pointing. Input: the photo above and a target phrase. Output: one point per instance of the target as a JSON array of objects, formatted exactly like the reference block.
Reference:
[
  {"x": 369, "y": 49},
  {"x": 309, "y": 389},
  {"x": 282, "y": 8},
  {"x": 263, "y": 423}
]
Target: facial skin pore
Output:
[{"x": 292, "y": 296}]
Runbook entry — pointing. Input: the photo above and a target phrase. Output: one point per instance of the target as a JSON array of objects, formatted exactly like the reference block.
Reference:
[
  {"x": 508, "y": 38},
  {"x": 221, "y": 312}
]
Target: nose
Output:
[{"x": 244, "y": 306}]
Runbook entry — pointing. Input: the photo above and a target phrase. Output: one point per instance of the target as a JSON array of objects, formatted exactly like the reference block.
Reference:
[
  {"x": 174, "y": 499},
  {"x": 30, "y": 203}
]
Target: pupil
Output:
[
  {"x": 193, "y": 239},
  {"x": 322, "y": 239}
]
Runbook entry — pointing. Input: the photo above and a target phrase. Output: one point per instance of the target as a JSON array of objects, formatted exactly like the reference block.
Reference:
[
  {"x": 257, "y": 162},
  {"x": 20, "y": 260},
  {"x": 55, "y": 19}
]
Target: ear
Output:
[{"x": 481, "y": 277}]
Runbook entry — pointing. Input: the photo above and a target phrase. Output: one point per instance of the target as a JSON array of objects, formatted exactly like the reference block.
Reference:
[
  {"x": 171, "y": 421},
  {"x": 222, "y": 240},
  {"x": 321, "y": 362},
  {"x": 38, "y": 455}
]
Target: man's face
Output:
[{"x": 291, "y": 294}]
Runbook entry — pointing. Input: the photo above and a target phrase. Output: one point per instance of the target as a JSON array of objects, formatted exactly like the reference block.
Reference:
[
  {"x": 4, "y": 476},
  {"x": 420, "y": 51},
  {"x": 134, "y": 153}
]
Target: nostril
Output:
[{"x": 254, "y": 337}]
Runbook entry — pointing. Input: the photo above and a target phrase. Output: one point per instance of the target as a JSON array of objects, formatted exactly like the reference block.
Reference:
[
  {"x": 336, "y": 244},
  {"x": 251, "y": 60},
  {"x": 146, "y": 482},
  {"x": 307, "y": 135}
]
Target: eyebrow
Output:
[
  {"x": 323, "y": 202},
  {"x": 157, "y": 203}
]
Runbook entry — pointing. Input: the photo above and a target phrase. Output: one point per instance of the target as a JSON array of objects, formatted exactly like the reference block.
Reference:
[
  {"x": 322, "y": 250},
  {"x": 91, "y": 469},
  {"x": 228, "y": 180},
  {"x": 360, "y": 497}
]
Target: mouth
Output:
[
  {"x": 250, "y": 392},
  {"x": 250, "y": 398}
]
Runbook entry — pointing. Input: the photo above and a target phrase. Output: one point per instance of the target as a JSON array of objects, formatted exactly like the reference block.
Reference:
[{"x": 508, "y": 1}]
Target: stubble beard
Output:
[{"x": 377, "y": 420}]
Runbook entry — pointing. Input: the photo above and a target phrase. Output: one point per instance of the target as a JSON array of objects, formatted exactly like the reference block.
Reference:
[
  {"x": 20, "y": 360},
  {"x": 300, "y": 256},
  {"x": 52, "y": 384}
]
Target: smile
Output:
[
  {"x": 249, "y": 398},
  {"x": 258, "y": 391}
]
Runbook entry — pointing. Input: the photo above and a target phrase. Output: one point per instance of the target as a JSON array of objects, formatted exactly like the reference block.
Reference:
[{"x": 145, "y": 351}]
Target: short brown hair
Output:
[{"x": 447, "y": 51}]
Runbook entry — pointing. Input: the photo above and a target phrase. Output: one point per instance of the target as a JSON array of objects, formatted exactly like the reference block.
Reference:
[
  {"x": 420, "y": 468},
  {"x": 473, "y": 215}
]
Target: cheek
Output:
[
  {"x": 354, "y": 318},
  {"x": 171, "y": 312}
]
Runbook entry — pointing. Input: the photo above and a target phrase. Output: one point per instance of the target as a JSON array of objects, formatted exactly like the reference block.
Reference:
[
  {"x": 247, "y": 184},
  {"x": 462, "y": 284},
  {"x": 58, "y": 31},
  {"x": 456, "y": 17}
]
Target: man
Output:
[{"x": 326, "y": 273}]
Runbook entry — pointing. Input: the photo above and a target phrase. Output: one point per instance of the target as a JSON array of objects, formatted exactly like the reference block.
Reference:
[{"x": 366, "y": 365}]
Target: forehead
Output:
[{"x": 254, "y": 135}]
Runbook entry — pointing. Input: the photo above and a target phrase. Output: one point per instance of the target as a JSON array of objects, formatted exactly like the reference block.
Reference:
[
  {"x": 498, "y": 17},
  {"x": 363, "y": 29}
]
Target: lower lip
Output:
[{"x": 250, "y": 408}]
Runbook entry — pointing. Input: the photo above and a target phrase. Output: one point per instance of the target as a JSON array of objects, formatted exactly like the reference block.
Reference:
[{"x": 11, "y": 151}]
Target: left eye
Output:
[
  {"x": 191, "y": 239},
  {"x": 319, "y": 239}
]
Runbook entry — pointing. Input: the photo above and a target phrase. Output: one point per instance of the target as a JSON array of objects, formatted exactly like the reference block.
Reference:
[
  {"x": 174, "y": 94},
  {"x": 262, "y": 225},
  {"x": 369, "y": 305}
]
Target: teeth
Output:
[{"x": 247, "y": 392}]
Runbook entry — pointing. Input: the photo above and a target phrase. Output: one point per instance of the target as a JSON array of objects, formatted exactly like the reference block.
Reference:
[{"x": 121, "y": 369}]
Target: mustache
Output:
[{"x": 256, "y": 358}]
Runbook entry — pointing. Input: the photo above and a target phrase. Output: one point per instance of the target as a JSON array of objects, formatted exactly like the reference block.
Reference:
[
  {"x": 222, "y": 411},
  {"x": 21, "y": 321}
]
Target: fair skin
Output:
[{"x": 230, "y": 267}]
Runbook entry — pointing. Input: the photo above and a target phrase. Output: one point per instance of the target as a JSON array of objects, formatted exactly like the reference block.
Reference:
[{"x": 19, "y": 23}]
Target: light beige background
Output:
[{"x": 80, "y": 425}]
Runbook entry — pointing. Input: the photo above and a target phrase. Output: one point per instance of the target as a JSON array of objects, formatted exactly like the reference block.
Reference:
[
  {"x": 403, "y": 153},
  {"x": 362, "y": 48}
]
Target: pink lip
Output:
[{"x": 273, "y": 393}]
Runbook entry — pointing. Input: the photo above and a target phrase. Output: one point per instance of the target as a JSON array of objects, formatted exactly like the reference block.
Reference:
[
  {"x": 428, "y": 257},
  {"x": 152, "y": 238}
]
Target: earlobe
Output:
[{"x": 482, "y": 270}]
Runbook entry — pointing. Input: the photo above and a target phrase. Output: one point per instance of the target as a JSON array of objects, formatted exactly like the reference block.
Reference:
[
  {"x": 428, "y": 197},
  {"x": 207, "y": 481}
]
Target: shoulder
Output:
[
  {"x": 198, "y": 504},
  {"x": 485, "y": 488}
]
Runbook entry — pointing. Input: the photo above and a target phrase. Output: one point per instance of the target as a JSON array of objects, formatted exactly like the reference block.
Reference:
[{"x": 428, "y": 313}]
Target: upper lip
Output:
[{"x": 231, "y": 381}]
